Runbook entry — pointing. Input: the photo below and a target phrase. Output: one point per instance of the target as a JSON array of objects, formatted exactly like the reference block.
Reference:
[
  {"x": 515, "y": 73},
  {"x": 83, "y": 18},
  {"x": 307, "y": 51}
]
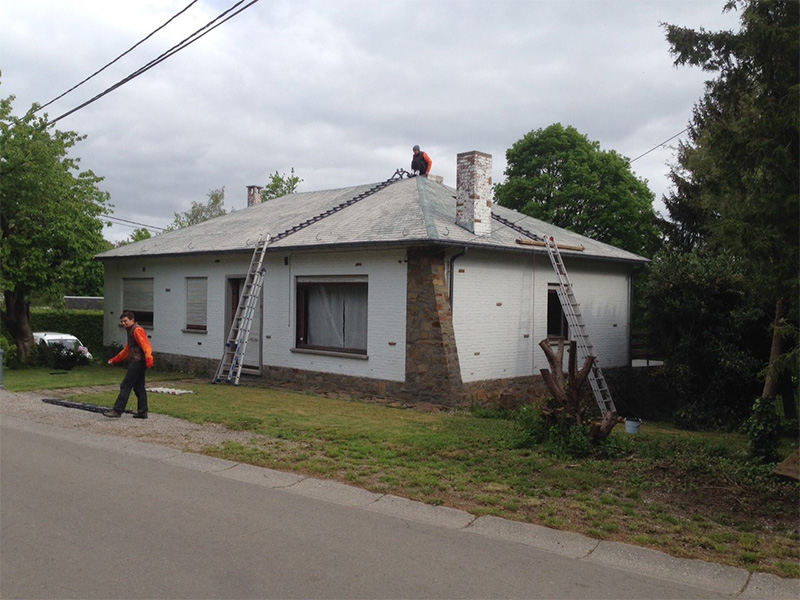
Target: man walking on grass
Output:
[{"x": 140, "y": 358}]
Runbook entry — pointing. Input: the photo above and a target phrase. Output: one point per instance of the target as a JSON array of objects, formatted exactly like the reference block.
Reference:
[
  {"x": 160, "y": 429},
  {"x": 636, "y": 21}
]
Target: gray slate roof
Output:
[{"x": 408, "y": 212}]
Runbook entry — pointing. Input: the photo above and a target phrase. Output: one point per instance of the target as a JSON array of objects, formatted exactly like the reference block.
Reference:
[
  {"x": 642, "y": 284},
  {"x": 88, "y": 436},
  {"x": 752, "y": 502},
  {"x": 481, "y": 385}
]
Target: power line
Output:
[
  {"x": 661, "y": 144},
  {"x": 139, "y": 43},
  {"x": 172, "y": 51},
  {"x": 127, "y": 223}
]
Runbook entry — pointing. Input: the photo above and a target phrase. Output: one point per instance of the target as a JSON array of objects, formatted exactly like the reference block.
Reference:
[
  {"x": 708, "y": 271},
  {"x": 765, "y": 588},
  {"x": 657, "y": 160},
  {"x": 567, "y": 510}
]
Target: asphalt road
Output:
[{"x": 81, "y": 517}]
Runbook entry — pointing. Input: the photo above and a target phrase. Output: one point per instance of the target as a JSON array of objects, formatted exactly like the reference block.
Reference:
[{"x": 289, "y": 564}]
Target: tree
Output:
[
  {"x": 559, "y": 176},
  {"x": 200, "y": 212},
  {"x": 86, "y": 278},
  {"x": 280, "y": 185},
  {"x": 139, "y": 234},
  {"x": 737, "y": 176},
  {"x": 48, "y": 217}
]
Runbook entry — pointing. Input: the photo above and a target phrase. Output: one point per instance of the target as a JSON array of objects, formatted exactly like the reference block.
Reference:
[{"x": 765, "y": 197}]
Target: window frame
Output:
[
  {"x": 560, "y": 331},
  {"x": 303, "y": 285}
]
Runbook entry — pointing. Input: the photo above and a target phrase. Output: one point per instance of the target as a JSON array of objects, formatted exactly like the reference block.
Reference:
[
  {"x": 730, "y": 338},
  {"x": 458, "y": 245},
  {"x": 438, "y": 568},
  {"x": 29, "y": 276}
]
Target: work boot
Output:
[
  {"x": 140, "y": 415},
  {"x": 112, "y": 413}
]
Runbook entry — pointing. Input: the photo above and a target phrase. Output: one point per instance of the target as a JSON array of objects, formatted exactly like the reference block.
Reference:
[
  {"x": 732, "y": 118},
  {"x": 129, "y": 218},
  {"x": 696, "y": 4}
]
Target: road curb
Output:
[{"x": 629, "y": 559}]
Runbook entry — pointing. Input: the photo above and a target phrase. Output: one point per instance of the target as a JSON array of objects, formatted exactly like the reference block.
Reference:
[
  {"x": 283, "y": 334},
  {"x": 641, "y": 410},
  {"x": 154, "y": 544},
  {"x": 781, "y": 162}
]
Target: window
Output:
[
  {"x": 196, "y": 303},
  {"x": 137, "y": 297},
  {"x": 332, "y": 314},
  {"x": 556, "y": 321}
]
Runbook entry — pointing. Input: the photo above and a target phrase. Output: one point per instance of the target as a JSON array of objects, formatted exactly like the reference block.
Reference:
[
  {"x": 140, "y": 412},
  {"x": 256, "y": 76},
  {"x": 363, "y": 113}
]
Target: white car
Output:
[{"x": 51, "y": 338}]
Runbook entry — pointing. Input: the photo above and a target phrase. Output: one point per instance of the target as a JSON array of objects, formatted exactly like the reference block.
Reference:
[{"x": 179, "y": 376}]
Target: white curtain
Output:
[{"x": 337, "y": 316}]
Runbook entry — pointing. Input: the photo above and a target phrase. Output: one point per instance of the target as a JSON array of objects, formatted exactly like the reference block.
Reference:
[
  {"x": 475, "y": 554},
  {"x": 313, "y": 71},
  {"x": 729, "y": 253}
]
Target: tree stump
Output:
[{"x": 567, "y": 392}]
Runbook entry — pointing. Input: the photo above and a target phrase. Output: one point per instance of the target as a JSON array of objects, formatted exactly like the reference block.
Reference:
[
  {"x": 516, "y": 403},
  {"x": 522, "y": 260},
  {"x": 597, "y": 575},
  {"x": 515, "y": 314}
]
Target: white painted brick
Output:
[
  {"x": 499, "y": 315},
  {"x": 386, "y": 272},
  {"x": 497, "y": 304}
]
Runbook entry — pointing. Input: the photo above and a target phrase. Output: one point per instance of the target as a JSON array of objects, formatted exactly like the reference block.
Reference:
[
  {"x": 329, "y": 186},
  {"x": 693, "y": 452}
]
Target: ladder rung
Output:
[
  {"x": 572, "y": 312},
  {"x": 239, "y": 333}
]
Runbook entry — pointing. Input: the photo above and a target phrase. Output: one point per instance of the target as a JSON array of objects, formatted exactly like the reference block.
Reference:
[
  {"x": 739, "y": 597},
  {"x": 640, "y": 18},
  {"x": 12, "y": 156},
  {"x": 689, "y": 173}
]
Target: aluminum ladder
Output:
[
  {"x": 230, "y": 365},
  {"x": 577, "y": 327}
]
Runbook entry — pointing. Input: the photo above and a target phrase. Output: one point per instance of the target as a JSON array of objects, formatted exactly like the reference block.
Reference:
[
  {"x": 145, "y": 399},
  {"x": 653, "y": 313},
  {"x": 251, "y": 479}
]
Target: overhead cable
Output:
[
  {"x": 661, "y": 144},
  {"x": 172, "y": 51},
  {"x": 126, "y": 223},
  {"x": 139, "y": 43}
]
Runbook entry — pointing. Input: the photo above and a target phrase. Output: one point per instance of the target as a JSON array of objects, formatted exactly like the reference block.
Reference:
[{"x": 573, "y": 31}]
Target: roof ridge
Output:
[{"x": 398, "y": 175}]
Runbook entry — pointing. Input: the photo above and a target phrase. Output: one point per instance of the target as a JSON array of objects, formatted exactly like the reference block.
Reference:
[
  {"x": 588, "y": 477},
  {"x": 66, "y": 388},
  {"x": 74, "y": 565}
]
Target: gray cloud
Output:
[{"x": 342, "y": 90}]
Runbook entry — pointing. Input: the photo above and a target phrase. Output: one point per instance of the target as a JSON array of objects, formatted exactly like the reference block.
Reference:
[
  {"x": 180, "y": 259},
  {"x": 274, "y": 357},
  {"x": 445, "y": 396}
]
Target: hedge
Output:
[{"x": 86, "y": 325}]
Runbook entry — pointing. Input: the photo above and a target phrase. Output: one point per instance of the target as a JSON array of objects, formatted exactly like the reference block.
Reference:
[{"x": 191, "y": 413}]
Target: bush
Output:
[
  {"x": 10, "y": 353},
  {"x": 700, "y": 417},
  {"x": 86, "y": 325},
  {"x": 58, "y": 356},
  {"x": 564, "y": 440},
  {"x": 711, "y": 332},
  {"x": 763, "y": 429}
]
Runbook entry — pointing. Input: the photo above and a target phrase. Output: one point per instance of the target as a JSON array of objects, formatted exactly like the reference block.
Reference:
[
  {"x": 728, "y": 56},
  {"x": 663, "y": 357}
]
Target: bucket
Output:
[{"x": 632, "y": 425}]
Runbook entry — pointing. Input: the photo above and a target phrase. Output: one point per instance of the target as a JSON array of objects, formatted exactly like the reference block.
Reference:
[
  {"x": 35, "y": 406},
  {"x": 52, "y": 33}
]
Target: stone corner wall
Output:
[{"x": 433, "y": 373}]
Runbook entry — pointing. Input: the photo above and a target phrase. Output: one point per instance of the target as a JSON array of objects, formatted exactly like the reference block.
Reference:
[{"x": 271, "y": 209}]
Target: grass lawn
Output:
[
  {"x": 688, "y": 494},
  {"x": 22, "y": 380}
]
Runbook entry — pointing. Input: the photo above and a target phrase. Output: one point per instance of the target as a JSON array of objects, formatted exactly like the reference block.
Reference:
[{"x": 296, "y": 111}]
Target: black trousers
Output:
[{"x": 134, "y": 380}]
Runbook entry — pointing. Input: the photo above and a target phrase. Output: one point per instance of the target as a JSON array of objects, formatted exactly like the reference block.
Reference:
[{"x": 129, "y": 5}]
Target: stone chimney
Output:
[
  {"x": 253, "y": 195},
  {"x": 474, "y": 192}
]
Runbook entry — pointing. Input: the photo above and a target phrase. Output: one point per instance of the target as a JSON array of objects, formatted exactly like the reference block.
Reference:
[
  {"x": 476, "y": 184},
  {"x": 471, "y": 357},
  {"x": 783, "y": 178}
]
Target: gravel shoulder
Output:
[{"x": 157, "y": 429}]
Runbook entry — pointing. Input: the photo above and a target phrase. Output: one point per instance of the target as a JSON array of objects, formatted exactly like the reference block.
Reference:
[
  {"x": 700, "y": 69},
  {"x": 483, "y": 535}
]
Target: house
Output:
[{"x": 408, "y": 289}]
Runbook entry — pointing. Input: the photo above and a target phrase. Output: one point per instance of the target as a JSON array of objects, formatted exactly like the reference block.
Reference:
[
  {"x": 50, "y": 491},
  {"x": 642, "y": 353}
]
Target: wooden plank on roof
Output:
[{"x": 527, "y": 242}]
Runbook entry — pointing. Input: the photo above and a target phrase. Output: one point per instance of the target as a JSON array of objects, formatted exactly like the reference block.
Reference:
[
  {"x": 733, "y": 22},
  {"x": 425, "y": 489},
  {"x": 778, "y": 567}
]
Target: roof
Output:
[{"x": 406, "y": 212}]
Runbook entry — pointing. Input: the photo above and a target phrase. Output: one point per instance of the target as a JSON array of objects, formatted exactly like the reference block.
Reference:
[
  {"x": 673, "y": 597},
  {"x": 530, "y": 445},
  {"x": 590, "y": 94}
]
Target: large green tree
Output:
[
  {"x": 558, "y": 175},
  {"x": 48, "y": 217},
  {"x": 737, "y": 177}
]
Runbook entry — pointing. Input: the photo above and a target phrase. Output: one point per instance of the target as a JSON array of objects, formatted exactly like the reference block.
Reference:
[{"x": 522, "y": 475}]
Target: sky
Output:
[{"x": 340, "y": 90}]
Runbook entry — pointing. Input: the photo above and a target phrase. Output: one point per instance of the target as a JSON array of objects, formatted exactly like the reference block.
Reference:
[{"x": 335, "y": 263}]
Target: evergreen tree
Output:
[{"x": 736, "y": 179}]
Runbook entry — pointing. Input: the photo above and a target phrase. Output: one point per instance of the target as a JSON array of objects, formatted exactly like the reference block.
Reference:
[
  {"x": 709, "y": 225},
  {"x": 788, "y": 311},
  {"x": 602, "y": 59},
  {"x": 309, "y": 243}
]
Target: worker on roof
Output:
[{"x": 421, "y": 163}]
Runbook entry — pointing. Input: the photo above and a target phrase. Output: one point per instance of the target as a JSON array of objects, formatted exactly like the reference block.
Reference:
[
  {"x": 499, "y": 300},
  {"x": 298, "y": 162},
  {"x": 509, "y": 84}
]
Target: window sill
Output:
[
  {"x": 194, "y": 331},
  {"x": 330, "y": 353}
]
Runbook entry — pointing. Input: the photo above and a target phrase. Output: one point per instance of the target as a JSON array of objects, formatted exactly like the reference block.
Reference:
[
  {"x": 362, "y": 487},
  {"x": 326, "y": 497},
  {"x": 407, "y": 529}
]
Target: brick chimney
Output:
[
  {"x": 253, "y": 195},
  {"x": 474, "y": 192}
]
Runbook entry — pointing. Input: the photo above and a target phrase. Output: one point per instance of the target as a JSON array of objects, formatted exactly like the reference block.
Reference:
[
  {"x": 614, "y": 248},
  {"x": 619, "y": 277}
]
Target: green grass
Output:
[
  {"x": 686, "y": 493},
  {"x": 23, "y": 380}
]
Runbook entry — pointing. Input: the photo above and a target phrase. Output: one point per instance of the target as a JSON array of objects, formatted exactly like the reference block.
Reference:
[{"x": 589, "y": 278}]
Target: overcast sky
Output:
[{"x": 340, "y": 90}]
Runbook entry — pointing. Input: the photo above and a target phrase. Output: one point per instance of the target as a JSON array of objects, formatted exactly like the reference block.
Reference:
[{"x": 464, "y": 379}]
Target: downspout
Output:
[{"x": 451, "y": 274}]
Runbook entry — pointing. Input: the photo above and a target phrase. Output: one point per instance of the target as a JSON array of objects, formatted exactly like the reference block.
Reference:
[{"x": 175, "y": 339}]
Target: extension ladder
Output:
[
  {"x": 577, "y": 327},
  {"x": 230, "y": 365}
]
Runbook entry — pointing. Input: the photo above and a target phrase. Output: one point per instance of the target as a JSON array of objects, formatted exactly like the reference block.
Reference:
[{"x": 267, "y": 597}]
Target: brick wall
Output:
[{"x": 474, "y": 192}]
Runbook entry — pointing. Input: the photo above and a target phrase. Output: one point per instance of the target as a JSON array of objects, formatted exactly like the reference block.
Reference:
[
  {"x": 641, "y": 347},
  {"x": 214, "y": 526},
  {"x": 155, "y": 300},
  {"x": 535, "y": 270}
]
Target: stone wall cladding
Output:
[
  {"x": 433, "y": 373},
  {"x": 185, "y": 364},
  {"x": 636, "y": 392}
]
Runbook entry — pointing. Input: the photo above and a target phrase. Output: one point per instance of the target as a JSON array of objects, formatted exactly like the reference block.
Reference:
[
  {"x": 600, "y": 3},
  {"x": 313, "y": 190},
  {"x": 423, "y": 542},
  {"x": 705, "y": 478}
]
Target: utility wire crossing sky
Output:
[{"x": 341, "y": 91}]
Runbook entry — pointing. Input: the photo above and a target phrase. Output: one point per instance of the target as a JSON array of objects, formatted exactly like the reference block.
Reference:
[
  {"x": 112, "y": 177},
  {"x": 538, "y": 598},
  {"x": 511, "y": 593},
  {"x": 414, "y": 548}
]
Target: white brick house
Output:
[{"x": 427, "y": 292}]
